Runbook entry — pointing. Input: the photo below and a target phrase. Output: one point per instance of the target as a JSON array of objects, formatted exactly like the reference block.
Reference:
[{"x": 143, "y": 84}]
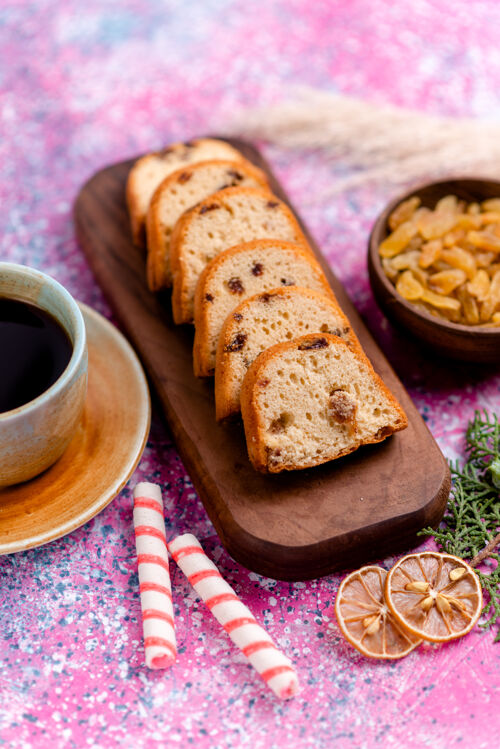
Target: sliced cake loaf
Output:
[
  {"x": 221, "y": 221},
  {"x": 239, "y": 273},
  {"x": 311, "y": 400},
  {"x": 150, "y": 170},
  {"x": 262, "y": 321},
  {"x": 181, "y": 191}
]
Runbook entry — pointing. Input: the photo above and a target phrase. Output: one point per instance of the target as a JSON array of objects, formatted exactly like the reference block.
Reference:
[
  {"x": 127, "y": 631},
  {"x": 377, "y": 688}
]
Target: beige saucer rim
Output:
[{"x": 138, "y": 442}]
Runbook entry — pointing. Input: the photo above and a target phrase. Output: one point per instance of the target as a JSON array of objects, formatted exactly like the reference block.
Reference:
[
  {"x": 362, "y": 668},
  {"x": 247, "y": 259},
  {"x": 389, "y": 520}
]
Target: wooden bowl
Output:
[{"x": 464, "y": 342}]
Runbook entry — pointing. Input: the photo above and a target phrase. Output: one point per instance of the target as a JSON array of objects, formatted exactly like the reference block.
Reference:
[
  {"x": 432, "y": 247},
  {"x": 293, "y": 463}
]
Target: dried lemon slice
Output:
[
  {"x": 365, "y": 620},
  {"x": 434, "y": 596}
]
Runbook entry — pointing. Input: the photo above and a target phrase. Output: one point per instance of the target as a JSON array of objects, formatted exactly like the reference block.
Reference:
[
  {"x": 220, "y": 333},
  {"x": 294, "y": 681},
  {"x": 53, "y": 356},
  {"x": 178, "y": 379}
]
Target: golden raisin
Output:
[
  {"x": 491, "y": 217},
  {"x": 441, "y": 302},
  {"x": 415, "y": 243},
  {"x": 469, "y": 306},
  {"x": 484, "y": 259},
  {"x": 495, "y": 286},
  {"x": 453, "y": 237},
  {"x": 405, "y": 260},
  {"x": 397, "y": 241},
  {"x": 408, "y": 286},
  {"x": 448, "y": 204},
  {"x": 389, "y": 269},
  {"x": 403, "y": 212},
  {"x": 484, "y": 240},
  {"x": 430, "y": 253},
  {"x": 447, "y": 281},
  {"x": 479, "y": 287},
  {"x": 459, "y": 258},
  {"x": 466, "y": 221},
  {"x": 492, "y": 301},
  {"x": 420, "y": 274},
  {"x": 493, "y": 204},
  {"x": 487, "y": 309},
  {"x": 434, "y": 225}
]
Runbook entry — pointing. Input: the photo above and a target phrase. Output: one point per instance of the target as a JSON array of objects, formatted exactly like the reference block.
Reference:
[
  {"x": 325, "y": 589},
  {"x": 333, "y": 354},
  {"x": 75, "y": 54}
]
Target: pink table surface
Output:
[{"x": 86, "y": 84}]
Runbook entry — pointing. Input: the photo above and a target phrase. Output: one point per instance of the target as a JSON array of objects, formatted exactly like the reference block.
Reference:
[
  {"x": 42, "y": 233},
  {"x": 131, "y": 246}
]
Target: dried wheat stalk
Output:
[{"x": 378, "y": 143}]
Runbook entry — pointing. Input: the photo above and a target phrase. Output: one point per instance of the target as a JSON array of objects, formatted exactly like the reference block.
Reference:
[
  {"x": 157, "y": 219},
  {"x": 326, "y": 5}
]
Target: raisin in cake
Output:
[
  {"x": 262, "y": 321},
  {"x": 150, "y": 170},
  {"x": 311, "y": 400},
  {"x": 221, "y": 221},
  {"x": 239, "y": 273},
  {"x": 181, "y": 191}
]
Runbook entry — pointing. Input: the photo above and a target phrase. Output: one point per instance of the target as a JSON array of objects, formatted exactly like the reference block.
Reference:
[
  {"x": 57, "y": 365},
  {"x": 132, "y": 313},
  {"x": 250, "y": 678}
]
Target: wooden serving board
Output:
[{"x": 293, "y": 526}]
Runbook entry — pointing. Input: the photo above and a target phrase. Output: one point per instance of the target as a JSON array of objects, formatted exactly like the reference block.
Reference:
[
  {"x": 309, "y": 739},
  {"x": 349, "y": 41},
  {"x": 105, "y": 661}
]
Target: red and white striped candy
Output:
[
  {"x": 238, "y": 621},
  {"x": 154, "y": 579}
]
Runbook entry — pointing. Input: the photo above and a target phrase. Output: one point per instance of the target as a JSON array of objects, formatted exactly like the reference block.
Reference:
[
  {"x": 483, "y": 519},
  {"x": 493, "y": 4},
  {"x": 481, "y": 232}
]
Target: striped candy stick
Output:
[
  {"x": 238, "y": 621},
  {"x": 154, "y": 579}
]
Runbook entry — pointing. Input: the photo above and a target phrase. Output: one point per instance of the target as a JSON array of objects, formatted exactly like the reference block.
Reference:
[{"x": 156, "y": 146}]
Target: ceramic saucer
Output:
[{"x": 101, "y": 457}]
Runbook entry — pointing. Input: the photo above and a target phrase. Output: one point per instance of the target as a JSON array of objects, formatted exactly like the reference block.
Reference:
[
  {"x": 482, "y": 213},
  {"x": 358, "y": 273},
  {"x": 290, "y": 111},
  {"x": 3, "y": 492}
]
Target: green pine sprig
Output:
[{"x": 471, "y": 523}]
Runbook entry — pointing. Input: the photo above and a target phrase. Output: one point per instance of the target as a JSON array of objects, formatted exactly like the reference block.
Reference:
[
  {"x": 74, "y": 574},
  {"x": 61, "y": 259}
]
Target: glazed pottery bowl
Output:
[
  {"x": 34, "y": 435},
  {"x": 464, "y": 342}
]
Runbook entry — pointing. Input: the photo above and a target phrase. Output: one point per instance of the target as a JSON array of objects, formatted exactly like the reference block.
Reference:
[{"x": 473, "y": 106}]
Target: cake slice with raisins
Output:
[
  {"x": 180, "y": 191},
  {"x": 150, "y": 170},
  {"x": 262, "y": 321},
  {"x": 311, "y": 400},
  {"x": 237, "y": 274},
  {"x": 232, "y": 216}
]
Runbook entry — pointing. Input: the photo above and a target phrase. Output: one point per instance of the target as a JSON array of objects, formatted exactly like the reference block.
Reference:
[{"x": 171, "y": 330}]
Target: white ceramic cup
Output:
[{"x": 34, "y": 435}]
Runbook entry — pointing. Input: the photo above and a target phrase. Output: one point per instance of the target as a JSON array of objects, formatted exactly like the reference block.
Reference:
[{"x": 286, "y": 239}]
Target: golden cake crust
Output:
[
  {"x": 263, "y": 320},
  {"x": 231, "y": 216},
  {"x": 264, "y": 455},
  {"x": 148, "y": 171},
  {"x": 179, "y": 192},
  {"x": 276, "y": 263}
]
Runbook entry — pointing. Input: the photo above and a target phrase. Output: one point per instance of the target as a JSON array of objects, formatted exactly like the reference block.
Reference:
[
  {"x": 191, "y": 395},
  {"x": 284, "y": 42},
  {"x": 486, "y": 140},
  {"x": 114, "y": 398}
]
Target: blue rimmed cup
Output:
[{"x": 34, "y": 435}]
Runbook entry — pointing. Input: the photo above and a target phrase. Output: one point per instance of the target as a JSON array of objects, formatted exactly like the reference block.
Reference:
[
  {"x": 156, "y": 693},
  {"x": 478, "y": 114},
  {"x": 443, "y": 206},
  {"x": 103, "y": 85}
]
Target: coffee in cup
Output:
[{"x": 43, "y": 371}]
